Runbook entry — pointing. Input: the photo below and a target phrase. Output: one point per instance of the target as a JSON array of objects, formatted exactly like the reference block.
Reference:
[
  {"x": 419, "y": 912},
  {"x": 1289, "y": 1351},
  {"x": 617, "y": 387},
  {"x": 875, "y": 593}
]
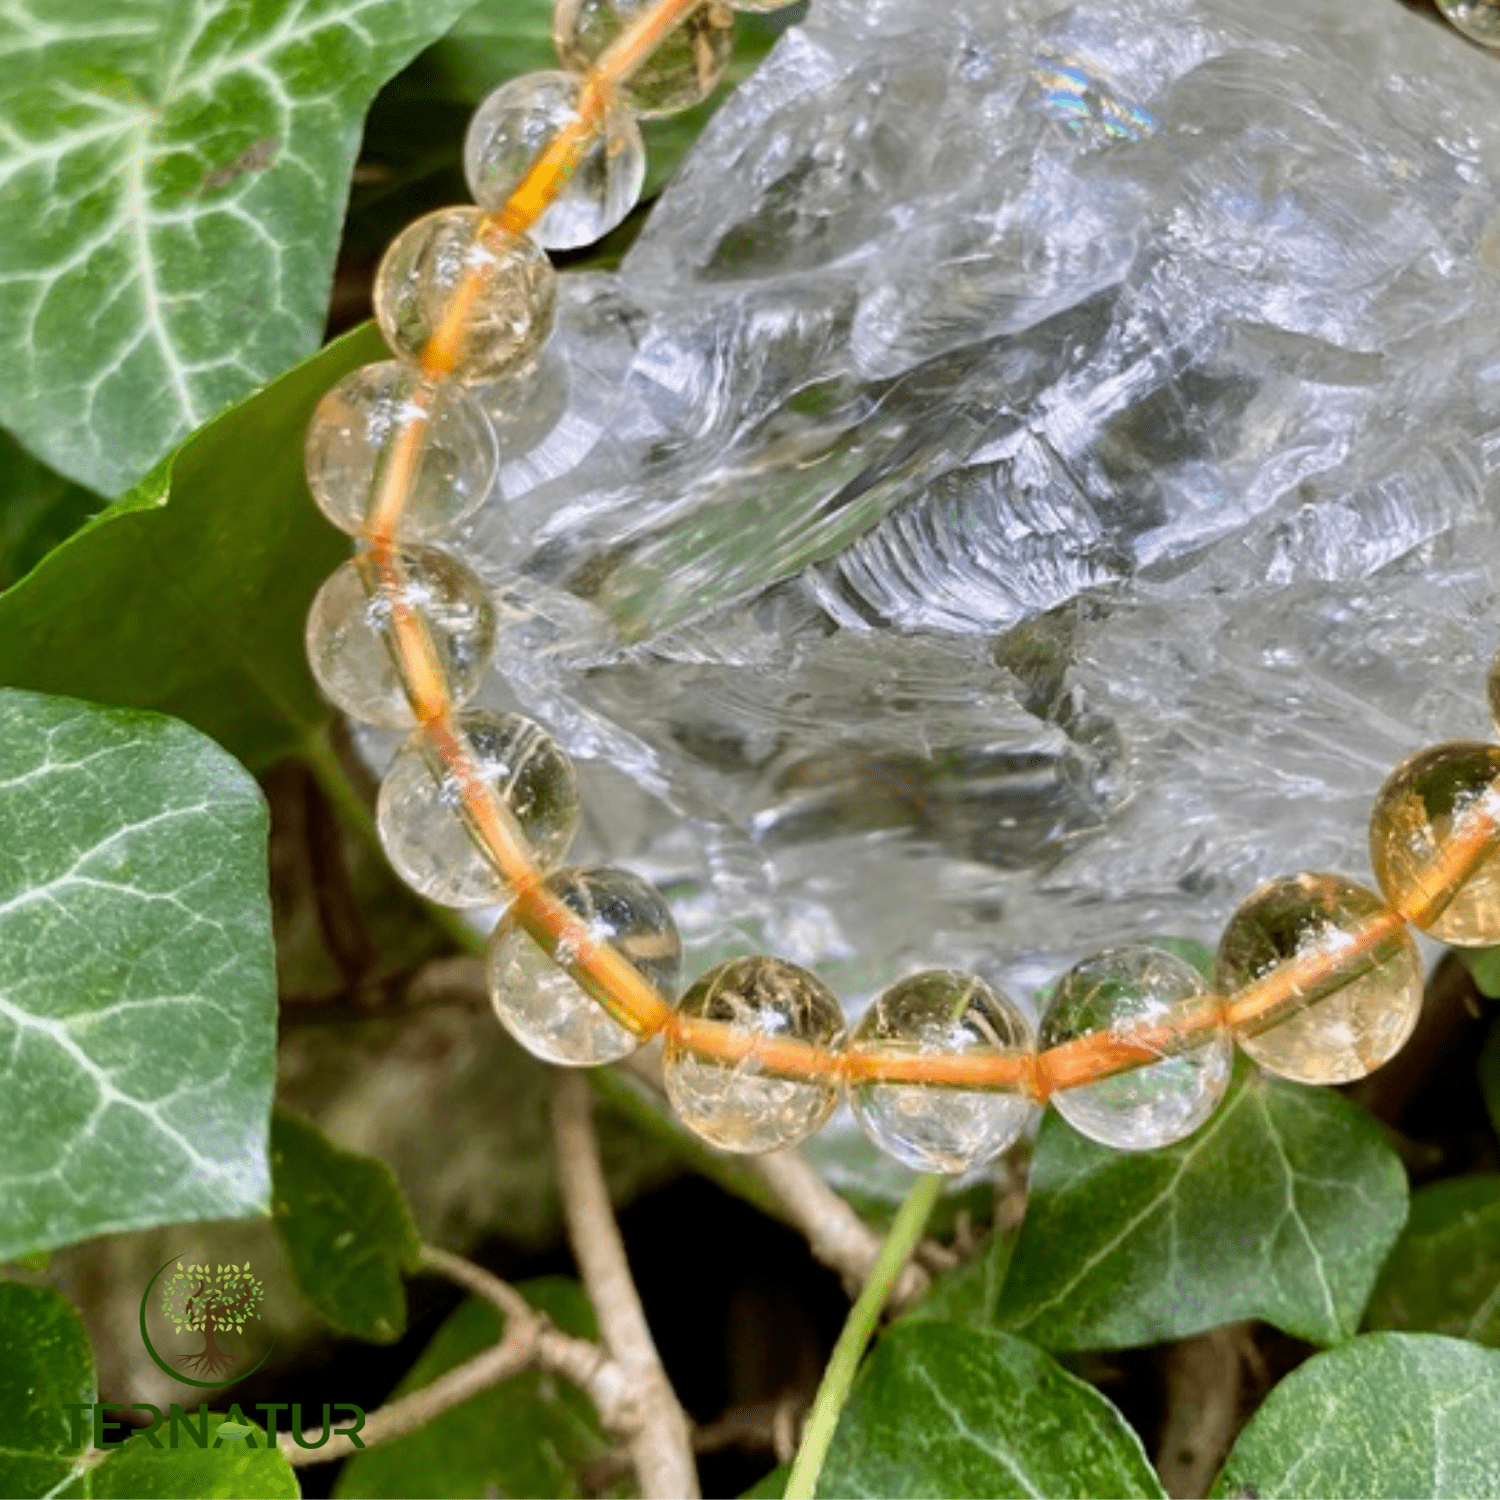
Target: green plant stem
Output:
[
  {"x": 911, "y": 1219},
  {"x": 319, "y": 756}
]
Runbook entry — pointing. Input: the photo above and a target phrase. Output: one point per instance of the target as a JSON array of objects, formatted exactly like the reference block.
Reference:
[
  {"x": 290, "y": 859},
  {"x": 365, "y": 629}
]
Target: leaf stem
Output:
[
  {"x": 911, "y": 1219},
  {"x": 318, "y": 755}
]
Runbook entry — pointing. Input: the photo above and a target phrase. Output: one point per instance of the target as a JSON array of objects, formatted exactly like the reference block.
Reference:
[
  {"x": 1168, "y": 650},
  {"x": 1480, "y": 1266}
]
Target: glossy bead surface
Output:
[
  {"x": 1340, "y": 976},
  {"x": 742, "y": 1105},
  {"x": 543, "y": 994},
  {"x": 683, "y": 71},
  {"x": 510, "y": 313},
  {"x": 511, "y": 129},
  {"x": 1152, "y": 997},
  {"x": 1477, "y": 19},
  {"x": 933, "y": 1127},
  {"x": 421, "y": 819},
  {"x": 350, "y": 643},
  {"x": 1433, "y": 844},
  {"x": 354, "y": 433}
]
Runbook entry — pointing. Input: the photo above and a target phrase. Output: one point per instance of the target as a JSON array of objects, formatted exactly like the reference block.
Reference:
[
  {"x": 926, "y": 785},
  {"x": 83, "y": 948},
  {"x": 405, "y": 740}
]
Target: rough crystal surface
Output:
[{"x": 1032, "y": 478}]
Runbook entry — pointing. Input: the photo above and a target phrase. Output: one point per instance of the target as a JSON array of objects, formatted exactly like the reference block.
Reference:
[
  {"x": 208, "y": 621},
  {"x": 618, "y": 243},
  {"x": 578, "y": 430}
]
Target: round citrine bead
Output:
[
  {"x": 1323, "y": 981},
  {"x": 1435, "y": 842}
]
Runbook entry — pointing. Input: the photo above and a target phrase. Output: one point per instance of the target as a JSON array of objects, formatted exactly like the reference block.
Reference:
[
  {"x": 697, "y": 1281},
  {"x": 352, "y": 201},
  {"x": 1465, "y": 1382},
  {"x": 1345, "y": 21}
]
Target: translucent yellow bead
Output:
[
  {"x": 1435, "y": 842},
  {"x": 1477, "y": 19},
  {"x": 426, "y": 832},
  {"x": 355, "y": 432},
  {"x": 512, "y": 128},
  {"x": 543, "y": 993},
  {"x": 929, "y": 1126},
  {"x": 1144, "y": 995},
  {"x": 744, "y": 1104},
  {"x": 683, "y": 71},
  {"x": 453, "y": 272},
  {"x": 1323, "y": 982},
  {"x": 350, "y": 642}
]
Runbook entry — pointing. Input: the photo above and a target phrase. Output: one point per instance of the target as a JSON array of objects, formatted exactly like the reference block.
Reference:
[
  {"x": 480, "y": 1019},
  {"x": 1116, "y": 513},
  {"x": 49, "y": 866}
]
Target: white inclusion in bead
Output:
[
  {"x": 744, "y": 1105},
  {"x": 541, "y": 989},
  {"x": 457, "y": 263},
  {"x": 423, "y": 823},
  {"x": 1142, "y": 994},
  {"x": 351, "y": 646},
  {"x": 356, "y": 431},
  {"x": 512, "y": 128},
  {"x": 933, "y": 1127}
]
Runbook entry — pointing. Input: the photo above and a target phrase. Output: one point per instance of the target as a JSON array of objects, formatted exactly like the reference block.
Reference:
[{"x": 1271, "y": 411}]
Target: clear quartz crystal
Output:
[
  {"x": 541, "y": 991},
  {"x": 743, "y": 1105},
  {"x": 1432, "y": 806},
  {"x": 512, "y": 127},
  {"x": 683, "y": 71},
  {"x": 933, "y": 1127},
  {"x": 505, "y": 322},
  {"x": 1333, "y": 1029},
  {"x": 1478, "y": 19},
  {"x": 979, "y": 515},
  {"x": 351, "y": 646},
  {"x": 1147, "y": 995},
  {"x": 355, "y": 432},
  {"x": 426, "y": 832}
]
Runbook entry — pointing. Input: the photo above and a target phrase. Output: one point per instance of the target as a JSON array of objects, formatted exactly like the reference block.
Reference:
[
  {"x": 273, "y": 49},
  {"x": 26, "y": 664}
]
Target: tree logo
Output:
[{"x": 216, "y": 1302}]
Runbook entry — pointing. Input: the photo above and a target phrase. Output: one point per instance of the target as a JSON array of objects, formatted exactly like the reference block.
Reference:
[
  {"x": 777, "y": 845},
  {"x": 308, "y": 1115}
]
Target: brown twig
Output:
[
  {"x": 456, "y": 979},
  {"x": 586, "y": 1365},
  {"x": 515, "y": 1352},
  {"x": 662, "y": 1447},
  {"x": 530, "y": 1341},
  {"x": 1207, "y": 1401},
  {"x": 836, "y": 1234}
]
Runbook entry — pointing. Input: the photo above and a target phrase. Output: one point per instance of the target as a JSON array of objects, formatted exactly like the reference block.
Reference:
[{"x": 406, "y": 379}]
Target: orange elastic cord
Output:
[{"x": 607, "y": 974}]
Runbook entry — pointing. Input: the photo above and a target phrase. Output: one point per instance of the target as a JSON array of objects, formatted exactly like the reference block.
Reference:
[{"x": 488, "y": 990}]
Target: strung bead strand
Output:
[{"x": 1317, "y": 978}]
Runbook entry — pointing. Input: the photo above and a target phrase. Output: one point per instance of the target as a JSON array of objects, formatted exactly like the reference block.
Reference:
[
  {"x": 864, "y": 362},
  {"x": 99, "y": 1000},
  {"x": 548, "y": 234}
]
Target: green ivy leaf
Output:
[
  {"x": 1282, "y": 1207},
  {"x": 346, "y": 1228},
  {"x": 174, "y": 178},
  {"x": 1444, "y": 1274},
  {"x": 231, "y": 1471},
  {"x": 190, "y": 594},
  {"x": 529, "y": 1435},
  {"x": 1483, "y": 965},
  {"x": 1390, "y": 1414},
  {"x": 944, "y": 1410},
  {"x": 38, "y": 509},
  {"x": 45, "y": 1364},
  {"x": 770, "y": 1486},
  {"x": 969, "y": 1294},
  {"x": 137, "y": 992}
]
